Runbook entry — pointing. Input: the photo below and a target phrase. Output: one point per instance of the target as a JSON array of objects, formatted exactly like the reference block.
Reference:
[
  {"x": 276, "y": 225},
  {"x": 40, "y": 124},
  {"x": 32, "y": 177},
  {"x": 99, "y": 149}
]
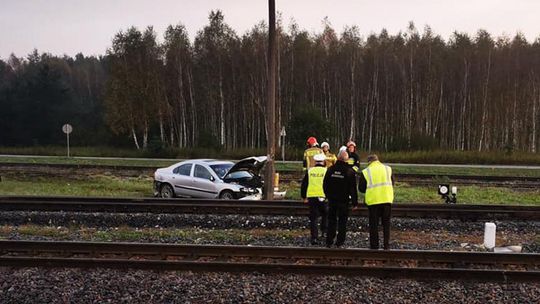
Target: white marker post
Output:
[
  {"x": 283, "y": 133},
  {"x": 489, "y": 235},
  {"x": 67, "y": 128}
]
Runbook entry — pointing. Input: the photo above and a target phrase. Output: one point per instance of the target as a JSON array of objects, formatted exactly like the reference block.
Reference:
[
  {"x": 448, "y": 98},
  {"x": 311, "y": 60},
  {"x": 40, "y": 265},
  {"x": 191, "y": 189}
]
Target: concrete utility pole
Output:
[{"x": 271, "y": 104}]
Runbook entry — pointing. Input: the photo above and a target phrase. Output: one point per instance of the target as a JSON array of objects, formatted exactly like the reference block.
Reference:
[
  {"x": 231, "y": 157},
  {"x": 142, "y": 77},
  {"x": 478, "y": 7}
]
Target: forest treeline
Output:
[{"x": 411, "y": 90}]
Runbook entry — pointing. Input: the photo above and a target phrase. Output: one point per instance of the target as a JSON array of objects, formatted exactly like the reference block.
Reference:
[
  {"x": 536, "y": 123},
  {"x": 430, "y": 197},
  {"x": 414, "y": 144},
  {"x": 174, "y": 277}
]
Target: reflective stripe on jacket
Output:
[
  {"x": 379, "y": 188},
  {"x": 309, "y": 162},
  {"x": 354, "y": 161},
  {"x": 315, "y": 182}
]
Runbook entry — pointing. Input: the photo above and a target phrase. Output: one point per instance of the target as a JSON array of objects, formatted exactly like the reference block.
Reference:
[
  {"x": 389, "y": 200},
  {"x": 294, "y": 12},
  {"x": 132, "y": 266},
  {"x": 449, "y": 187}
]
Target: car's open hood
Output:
[{"x": 251, "y": 164}]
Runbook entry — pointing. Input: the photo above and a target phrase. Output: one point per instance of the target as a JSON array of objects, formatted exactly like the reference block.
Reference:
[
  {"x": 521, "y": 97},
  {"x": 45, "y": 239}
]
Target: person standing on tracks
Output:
[
  {"x": 312, "y": 150},
  {"x": 354, "y": 158},
  {"x": 340, "y": 188},
  {"x": 330, "y": 157},
  {"x": 377, "y": 183},
  {"x": 313, "y": 194}
]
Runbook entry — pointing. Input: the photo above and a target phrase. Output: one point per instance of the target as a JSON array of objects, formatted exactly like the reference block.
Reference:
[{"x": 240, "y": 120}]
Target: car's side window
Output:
[
  {"x": 201, "y": 172},
  {"x": 184, "y": 169}
]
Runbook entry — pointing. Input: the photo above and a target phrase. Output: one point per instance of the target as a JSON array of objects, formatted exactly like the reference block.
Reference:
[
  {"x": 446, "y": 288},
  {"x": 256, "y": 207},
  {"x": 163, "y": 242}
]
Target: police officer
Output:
[
  {"x": 312, "y": 150},
  {"x": 330, "y": 157},
  {"x": 377, "y": 183},
  {"x": 313, "y": 194},
  {"x": 354, "y": 158},
  {"x": 340, "y": 189}
]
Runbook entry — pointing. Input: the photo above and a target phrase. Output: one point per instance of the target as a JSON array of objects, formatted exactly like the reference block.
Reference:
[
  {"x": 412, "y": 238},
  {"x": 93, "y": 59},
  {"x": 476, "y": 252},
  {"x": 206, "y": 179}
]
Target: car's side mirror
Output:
[{"x": 212, "y": 178}]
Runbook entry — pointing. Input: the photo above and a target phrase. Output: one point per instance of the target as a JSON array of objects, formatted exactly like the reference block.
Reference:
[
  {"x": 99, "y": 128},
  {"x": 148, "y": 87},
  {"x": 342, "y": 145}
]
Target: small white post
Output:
[
  {"x": 489, "y": 235},
  {"x": 283, "y": 133},
  {"x": 67, "y": 135}
]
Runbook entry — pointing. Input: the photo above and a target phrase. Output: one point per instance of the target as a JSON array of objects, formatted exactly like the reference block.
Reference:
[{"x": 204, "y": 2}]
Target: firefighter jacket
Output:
[
  {"x": 330, "y": 159},
  {"x": 354, "y": 161},
  {"x": 309, "y": 162}
]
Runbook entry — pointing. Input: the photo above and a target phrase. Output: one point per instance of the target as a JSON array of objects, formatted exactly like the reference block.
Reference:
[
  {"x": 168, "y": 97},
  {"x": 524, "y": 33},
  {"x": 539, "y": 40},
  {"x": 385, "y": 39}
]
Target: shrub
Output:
[{"x": 305, "y": 123}]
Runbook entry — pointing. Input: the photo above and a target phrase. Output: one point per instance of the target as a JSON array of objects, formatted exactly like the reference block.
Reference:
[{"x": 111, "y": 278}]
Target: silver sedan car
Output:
[{"x": 208, "y": 178}]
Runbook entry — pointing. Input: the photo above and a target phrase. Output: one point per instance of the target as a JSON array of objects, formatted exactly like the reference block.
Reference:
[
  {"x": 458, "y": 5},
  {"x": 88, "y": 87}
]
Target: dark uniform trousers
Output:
[
  {"x": 338, "y": 214},
  {"x": 382, "y": 211},
  {"x": 317, "y": 209}
]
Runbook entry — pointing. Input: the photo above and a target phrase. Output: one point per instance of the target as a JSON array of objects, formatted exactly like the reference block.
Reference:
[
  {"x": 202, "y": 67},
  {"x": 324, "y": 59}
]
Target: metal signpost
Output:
[{"x": 67, "y": 128}]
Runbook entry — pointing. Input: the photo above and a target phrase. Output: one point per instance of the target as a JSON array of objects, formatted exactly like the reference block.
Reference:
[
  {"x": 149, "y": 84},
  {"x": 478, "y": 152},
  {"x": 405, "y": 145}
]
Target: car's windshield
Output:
[
  {"x": 221, "y": 169},
  {"x": 239, "y": 175}
]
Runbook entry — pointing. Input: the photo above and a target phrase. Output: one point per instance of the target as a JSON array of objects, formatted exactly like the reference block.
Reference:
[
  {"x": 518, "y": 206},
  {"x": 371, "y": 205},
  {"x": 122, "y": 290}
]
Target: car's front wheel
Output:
[
  {"x": 228, "y": 195},
  {"x": 166, "y": 191}
]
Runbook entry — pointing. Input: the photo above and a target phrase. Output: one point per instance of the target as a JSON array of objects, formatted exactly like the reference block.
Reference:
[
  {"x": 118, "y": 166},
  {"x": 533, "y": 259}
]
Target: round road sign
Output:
[{"x": 67, "y": 128}]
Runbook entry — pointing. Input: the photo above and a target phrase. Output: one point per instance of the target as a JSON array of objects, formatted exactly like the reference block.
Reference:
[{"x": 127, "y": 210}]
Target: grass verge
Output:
[
  {"x": 96, "y": 186},
  {"x": 405, "y": 193},
  {"x": 284, "y": 167},
  {"x": 429, "y": 156},
  {"x": 107, "y": 186},
  {"x": 127, "y": 234}
]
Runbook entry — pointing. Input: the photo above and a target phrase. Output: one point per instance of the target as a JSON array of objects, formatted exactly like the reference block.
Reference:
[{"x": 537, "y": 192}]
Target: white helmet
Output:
[
  {"x": 319, "y": 157},
  {"x": 325, "y": 144}
]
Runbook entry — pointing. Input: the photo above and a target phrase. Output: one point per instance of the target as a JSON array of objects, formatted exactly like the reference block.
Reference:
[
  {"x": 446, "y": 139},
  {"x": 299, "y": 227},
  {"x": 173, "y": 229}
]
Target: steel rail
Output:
[
  {"x": 440, "y": 264},
  {"x": 490, "y": 166},
  {"x": 286, "y": 174},
  {"x": 286, "y": 208}
]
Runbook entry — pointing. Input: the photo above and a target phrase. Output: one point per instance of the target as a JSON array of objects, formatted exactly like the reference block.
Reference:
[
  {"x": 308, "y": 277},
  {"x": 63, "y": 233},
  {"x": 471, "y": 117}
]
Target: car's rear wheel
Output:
[
  {"x": 166, "y": 191},
  {"x": 226, "y": 194}
]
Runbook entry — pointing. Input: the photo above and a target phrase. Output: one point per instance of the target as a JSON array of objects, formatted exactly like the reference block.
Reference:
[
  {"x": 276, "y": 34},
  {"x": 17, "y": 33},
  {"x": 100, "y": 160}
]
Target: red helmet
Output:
[
  {"x": 312, "y": 141},
  {"x": 351, "y": 143}
]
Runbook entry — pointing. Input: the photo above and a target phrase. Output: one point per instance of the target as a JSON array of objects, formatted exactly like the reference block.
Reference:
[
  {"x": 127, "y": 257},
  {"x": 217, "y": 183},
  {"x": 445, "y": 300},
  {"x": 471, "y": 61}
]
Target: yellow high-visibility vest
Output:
[
  {"x": 379, "y": 188},
  {"x": 315, "y": 182}
]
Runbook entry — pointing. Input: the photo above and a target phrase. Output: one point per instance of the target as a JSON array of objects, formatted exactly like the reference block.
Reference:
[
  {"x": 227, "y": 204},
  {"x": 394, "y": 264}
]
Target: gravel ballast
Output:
[
  {"x": 425, "y": 234},
  {"x": 145, "y": 220},
  {"x": 32, "y": 285}
]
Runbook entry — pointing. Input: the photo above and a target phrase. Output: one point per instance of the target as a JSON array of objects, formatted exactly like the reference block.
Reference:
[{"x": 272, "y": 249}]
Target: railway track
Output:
[
  {"x": 460, "y": 180},
  {"x": 409, "y": 264},
  {"x": 269, "y": 208},
  {"x": 286, "y": 176}
]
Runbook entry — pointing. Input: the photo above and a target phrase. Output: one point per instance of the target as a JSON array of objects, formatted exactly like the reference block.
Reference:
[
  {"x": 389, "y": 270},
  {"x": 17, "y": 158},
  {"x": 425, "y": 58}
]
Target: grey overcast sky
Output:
[{"x": 87, "y": 26}]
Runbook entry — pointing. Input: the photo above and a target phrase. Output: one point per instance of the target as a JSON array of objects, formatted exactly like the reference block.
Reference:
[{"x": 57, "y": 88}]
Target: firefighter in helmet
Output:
[
  {"x": 354, "y": 158},
  {"x": 330, "y": 157},
  {"x": 312, "y": 150}
]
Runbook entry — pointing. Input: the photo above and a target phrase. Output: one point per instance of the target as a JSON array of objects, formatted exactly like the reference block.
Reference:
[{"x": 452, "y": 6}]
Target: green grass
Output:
[
  {"x": 47, "y": 231},
  {"x": 466, "y": 171},
  {"x": 283, "y": 167},
  {"x": 103, "y": 151},
  {"x": 127, "y": 234},
  {"x": 462, "y": 157},
  {"x": 74, "y": 151},
  {"x": 79, "y": 161},
  {"x": 97, "y": 186},
  {"x": 106, "y": 186},
  {"x": 435, "y": 156},
  {"x": 466, "y": 195},
  {"x": 470, "y": 195}
]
